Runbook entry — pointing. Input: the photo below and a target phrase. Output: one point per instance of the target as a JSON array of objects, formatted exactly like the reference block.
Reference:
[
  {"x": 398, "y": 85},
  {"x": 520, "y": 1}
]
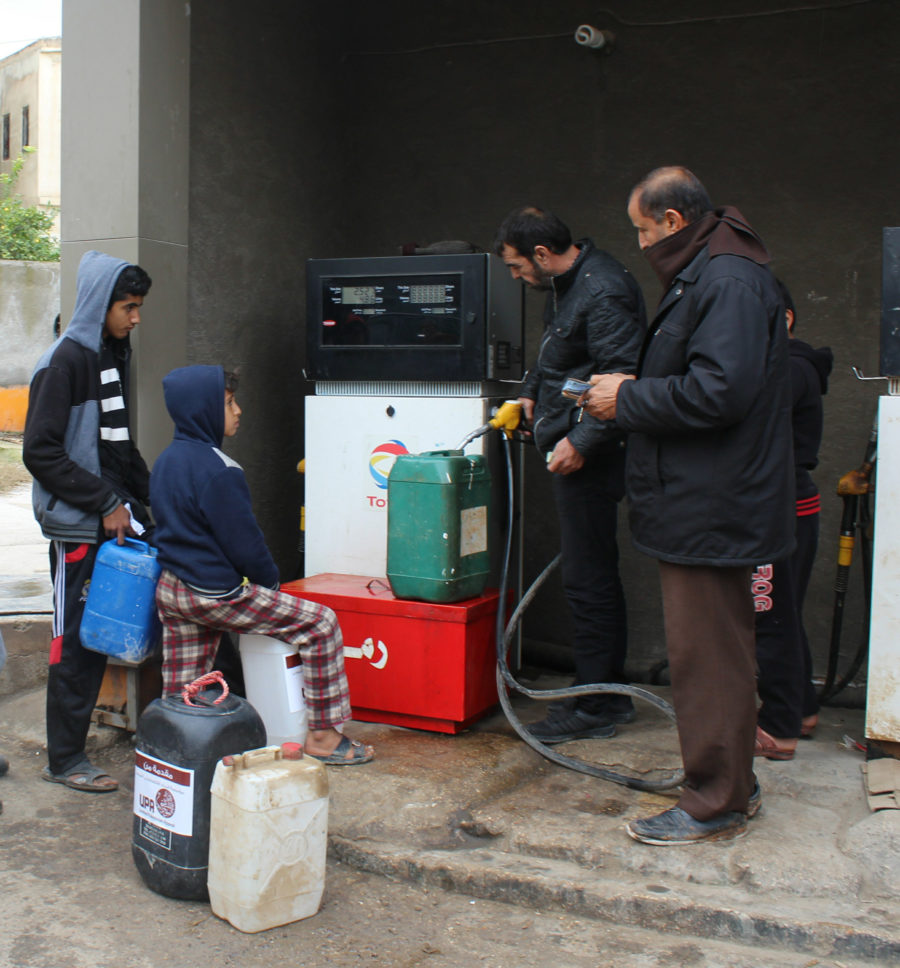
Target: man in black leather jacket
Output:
[
  {"x": 594, "y": 322},
  {"x": 710, "y": 481}
]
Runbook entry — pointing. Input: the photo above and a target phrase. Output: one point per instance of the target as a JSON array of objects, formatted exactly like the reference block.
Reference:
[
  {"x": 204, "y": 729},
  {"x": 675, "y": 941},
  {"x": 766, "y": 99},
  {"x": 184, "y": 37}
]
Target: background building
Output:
[
  {"x": 30, "y": 89},
  {"x": 30, "y": 101}
]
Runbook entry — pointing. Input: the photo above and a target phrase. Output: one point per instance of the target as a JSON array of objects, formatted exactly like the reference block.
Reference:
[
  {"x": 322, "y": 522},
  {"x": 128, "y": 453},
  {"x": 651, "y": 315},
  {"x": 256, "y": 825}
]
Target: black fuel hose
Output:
[
  {"x": 506, "y": 680},
  {"x": 841, "y": 584},
  {"x": 830, "y": 689},
  {"x": 851, "y": 487}
]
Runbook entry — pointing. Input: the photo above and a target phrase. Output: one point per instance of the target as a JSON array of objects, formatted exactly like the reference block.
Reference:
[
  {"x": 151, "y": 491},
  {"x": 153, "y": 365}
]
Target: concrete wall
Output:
[
  {"x": 125, "y": 133},
  {"x": 266, "y": 194},
  {"x": 29, "y": 302},
  {"x": 49, "y": 125},
  {"x": 337, "y": 130},
  {"x": 351, "y": 133}
]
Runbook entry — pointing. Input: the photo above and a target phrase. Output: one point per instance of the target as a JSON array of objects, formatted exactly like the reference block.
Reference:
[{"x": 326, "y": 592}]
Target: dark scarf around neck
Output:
[{"x": 725, "y": 231}]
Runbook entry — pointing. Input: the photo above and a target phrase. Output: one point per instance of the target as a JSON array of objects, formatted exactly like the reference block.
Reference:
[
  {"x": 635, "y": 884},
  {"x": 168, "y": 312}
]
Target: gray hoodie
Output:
[{"x": 61, "y": 445}]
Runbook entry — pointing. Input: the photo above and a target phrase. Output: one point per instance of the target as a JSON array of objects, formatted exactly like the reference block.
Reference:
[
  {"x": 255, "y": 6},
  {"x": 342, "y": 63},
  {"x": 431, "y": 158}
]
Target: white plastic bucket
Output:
[
  {"x": 268, "y": 837},
  {"x": 273, "y": 679}
]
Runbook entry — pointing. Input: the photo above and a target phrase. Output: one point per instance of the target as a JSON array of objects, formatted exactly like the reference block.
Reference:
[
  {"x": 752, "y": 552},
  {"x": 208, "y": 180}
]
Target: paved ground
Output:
[
  {"x": 460, "y": 850},
  {"x": 25, "y": 587},
  {"x": 484, "y": 817}
]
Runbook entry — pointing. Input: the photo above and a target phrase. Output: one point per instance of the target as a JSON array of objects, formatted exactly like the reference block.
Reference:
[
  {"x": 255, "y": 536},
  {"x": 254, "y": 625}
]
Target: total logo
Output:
[{"x": 381, "y": 460}]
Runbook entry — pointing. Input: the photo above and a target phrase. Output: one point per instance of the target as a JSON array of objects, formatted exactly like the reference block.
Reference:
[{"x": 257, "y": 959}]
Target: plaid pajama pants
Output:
[{"x": 193, "y": 625}]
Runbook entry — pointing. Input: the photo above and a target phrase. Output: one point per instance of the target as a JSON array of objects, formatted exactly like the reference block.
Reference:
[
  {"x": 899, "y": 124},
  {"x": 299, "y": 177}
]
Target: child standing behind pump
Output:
[
  {"x": 788, "y": 703},
  {"x": 218, "y": 573}
]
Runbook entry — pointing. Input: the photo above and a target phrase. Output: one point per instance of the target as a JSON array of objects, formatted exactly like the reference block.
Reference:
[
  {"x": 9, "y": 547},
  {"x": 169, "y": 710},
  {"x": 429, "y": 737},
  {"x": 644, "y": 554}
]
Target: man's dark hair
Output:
[
  {"x": 672, "y": 187},
  {"x": 525, "y": 228},
  {"x": 232, "y": 378},
  {"x": 132, "y": 281},
  {"x": 788, "y": 301}
]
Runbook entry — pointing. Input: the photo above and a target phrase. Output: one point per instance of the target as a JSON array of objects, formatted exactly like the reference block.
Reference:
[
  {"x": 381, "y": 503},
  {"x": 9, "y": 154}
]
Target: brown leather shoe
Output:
[{"x": 771, "y": 748}]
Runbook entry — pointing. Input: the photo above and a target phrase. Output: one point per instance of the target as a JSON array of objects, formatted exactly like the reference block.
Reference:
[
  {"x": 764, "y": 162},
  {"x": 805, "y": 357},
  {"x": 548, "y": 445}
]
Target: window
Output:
[
  {"x": 5, "y": 137},
  {"x": 26, "y": 140}
]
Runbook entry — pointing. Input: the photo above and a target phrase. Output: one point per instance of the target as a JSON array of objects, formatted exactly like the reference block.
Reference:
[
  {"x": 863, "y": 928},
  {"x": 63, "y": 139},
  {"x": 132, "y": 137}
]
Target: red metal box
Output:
[{"x": 409, "y": 663}]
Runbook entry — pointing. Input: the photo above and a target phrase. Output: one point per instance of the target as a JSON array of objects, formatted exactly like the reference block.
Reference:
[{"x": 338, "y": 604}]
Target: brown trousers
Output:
[{"x": 709, "y": 624}]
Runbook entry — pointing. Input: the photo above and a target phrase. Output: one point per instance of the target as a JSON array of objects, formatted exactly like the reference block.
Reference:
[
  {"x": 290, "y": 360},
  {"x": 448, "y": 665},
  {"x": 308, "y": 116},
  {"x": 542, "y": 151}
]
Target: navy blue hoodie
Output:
[{"x": 205, "y": 528}]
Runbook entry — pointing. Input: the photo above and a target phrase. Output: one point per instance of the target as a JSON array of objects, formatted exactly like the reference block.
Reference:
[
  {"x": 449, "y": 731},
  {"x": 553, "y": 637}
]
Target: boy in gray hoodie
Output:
[{"x": 90, "y": 482}]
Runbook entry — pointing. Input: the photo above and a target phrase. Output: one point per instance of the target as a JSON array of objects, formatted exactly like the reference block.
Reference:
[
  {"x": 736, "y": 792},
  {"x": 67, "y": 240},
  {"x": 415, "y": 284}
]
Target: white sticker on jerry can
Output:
[
  {"x": 164, "y": 794},
  {"x": 472, "y": 531},
  {"x": 293, "y": 682}
]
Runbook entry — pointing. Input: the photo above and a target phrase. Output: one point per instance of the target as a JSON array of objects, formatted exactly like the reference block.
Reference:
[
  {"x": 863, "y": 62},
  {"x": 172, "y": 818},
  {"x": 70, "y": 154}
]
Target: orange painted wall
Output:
[{"x": 13, "y": 407}]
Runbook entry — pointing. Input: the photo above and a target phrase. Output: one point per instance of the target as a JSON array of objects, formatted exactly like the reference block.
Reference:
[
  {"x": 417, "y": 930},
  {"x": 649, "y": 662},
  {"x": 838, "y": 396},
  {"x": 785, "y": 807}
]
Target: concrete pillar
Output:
[{"x": 125, "y": 113}]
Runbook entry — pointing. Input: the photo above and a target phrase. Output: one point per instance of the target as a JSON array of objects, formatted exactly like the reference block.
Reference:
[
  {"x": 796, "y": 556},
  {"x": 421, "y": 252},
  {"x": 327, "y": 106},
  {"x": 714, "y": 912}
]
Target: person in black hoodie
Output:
[
  {"x": 218, "y": 573},
  {"x": 789, "y": 707}
]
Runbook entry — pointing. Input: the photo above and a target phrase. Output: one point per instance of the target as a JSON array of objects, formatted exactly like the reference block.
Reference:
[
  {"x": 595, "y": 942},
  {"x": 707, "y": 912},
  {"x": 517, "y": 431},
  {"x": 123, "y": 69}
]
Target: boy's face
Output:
[
  {"x": 123, "y": 316},
  {"x": 232, "y": 414}
]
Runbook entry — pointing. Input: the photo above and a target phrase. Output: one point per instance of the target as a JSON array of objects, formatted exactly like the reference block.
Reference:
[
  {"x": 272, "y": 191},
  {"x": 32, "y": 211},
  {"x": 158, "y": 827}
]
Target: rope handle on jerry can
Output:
[{"x": 193, "y": 688}]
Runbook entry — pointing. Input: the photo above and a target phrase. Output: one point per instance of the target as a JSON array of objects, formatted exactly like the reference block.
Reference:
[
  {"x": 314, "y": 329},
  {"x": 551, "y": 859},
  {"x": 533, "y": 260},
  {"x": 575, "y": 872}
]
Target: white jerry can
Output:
[
  {"x": 273, "y": 679},
  {"x": 268, "y": 836}
]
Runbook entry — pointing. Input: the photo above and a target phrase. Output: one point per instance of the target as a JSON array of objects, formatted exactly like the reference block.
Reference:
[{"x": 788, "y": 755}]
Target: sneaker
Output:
[
  {"x": 621, "y": 713},
  {"x": 675, "y": 826},
  {"x": 562, "y": 725},
  {"x": 612, "y": 708}
]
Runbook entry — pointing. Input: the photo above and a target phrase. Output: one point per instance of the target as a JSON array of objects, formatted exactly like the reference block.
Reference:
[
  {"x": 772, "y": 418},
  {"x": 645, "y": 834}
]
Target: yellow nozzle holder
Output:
[
  {"x": 507, "y": 417},
  {"x": 855, "y": 482}
]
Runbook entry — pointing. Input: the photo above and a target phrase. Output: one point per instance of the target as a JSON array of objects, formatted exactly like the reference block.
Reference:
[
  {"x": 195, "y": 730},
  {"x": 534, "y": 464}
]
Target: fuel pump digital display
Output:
[
  {"x": 427, "y": 294},
  {"x": 442, "y": 318},
  {"x": 408, "y": 310},
  {"x": 358, "y": 295}
]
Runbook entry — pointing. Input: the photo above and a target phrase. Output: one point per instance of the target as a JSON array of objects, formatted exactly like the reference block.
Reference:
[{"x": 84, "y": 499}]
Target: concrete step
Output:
[{"x": 846, "y": 928}]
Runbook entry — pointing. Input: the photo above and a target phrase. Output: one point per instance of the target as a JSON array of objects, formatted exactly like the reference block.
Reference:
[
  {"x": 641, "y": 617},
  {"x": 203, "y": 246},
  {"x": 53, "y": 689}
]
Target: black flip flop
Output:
[
  {"x": 84, "y": 777},
  {"x": 339, "y": 756}
]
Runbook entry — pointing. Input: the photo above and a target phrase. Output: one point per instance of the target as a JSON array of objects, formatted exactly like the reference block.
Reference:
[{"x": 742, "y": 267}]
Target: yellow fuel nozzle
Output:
[{"x": 507, "y": 417}]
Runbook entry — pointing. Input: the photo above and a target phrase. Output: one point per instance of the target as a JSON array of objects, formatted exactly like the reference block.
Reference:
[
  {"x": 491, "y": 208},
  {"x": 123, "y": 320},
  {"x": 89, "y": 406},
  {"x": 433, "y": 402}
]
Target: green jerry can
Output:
[{"x": 437, "y": 544}]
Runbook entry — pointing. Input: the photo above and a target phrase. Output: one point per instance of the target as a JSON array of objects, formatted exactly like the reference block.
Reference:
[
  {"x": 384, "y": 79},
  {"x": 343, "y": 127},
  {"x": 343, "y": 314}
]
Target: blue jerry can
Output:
[{"x": 120, "y": 617}]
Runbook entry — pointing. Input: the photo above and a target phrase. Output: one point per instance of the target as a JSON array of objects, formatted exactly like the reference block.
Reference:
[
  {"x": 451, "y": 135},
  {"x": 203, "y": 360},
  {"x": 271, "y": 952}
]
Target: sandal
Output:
[
  {"x": 83, "y": 776},
  {"x": 773, "y": 749},
  {"x": 808, "y": 726},
  {"x": 347, "y": 753}
]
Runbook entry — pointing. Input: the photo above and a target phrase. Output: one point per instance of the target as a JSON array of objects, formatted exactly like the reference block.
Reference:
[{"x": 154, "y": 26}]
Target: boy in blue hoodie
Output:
[
  {"x": 90, "y": 481},
  {"x": 218, "y": 573}
]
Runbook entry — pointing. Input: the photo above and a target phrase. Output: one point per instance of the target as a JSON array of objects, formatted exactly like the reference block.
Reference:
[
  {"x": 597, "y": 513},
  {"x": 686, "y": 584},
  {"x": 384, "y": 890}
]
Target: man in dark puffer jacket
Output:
[
  {"x": 710, "y": 481},
  {"x": 594, "y": 323}
]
